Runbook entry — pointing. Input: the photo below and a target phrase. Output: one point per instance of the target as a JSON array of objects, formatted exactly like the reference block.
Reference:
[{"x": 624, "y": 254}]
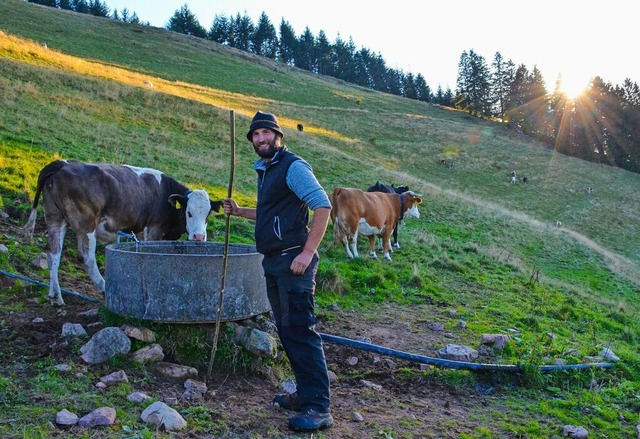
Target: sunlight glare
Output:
[{"x": 574, "y": 85}]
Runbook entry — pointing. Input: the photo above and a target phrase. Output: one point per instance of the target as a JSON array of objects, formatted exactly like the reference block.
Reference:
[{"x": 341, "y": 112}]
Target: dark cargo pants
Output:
[{"x": 292, "y": 303}]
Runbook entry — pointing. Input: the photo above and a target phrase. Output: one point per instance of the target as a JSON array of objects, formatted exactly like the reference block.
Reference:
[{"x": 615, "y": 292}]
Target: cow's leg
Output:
[
  {"x": 55, "y": 241},
  {"x": 345, "y": 242},
  {"x": 387, "y": 244},
  {"x": 372, "y": 247},
  {"x": 87, "y": 245},
  {"x": 395, "y": 237},
  {"x": 354, "y": 245}
]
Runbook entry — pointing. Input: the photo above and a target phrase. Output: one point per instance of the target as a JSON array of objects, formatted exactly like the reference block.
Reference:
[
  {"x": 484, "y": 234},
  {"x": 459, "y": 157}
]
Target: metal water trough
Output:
[{"x": 180, "y": 281}]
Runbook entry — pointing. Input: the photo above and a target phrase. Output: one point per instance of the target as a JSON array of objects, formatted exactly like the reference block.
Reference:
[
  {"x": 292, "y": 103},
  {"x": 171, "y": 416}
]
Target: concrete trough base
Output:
[{"x": 180, "y": 281}]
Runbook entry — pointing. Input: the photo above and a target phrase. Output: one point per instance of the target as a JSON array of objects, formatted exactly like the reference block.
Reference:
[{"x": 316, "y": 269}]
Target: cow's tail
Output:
[
  {"x": 46, "y": 172},
  {"x": 340, "y": 231},
  {"x": 332, "y": 216}
]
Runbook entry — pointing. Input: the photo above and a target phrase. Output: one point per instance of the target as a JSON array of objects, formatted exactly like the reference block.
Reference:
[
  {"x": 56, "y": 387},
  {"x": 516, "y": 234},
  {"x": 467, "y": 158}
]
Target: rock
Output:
[
  {"x": 175, "y": 371},
  {"x": 575, "y": 432},
  {"x": 357, "y": 417},
  {"x": 62, "y": 367},
  {"x": 138, "y": 397},
  {"x": 116, "y": 377},
  {"x": 73, "y": 330},
  {"x": 498, "y": 341},
  {"x": 162, "y": 415},
  {"x": 289, "y": 386},
  {"x": 257, "y": 342},
  {"x": 457, "y": 353},
  {"x": 437, "y": 327},
  {"x": 143, "y": 334},
  {"x": 65, "y": 417},
  {"x": 104, "y": 345},
  {"x": 37, "y": 320},
  {"x": 4, "y": 248},
  {"x": 333, "y": 378},
  {"x": 371, "y": 385},
  {"x": 100, "y": 416},
  {"x": 93, "y": 312},
  {"x": 352, "y": 361},
  {"x": 148, "y": 354},
  {"x": 40, "y": 261},
  {"x": 195, "y": 390},
  {"x": 100, "y": 385}
]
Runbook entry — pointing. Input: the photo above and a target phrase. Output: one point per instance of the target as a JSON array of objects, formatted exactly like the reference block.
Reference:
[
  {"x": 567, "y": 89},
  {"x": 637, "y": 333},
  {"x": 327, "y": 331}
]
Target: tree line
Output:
[{"x": 602, "y": 125}]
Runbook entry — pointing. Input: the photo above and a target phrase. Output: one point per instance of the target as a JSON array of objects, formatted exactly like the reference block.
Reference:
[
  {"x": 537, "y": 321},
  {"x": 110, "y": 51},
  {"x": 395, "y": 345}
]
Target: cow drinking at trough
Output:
[
  {"x": 371, "y": 214},
  {"x": 381, "y": 187},
  {"x": 97, "y": 200}
]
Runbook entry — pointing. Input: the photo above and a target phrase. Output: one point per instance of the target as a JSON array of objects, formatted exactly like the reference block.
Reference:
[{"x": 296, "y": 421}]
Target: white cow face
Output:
[
  {"x": 198, "y": 208},
  {"x": 413, "y": 212}
]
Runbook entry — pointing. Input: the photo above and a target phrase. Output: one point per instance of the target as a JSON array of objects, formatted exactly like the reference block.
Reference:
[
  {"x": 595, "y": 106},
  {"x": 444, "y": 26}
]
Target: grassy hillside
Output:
[{"x": 101, "y": 90}]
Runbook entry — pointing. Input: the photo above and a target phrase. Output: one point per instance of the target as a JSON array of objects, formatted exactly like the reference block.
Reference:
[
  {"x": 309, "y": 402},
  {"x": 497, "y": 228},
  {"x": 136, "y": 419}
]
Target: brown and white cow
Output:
[
  {"x": 371, "y": 214},
  {"x": 98, "y": 200}
]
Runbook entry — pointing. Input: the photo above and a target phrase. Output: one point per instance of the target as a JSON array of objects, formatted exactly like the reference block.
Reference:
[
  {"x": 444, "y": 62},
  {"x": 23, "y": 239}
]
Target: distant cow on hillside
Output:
[
  {"x": 97, "y": 200},
  {"x": 371, "y": 214},
  {"x": 514, "y": 177}
]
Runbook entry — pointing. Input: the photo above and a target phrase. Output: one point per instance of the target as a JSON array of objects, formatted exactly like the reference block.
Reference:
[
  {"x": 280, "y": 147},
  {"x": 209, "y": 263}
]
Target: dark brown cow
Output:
[
  {"x": 97, "y": 200},
  {"x": 371, "y": 214}
]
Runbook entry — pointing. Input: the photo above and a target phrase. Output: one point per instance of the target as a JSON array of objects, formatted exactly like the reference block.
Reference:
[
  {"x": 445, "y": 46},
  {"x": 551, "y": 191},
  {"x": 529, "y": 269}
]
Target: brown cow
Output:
[
  {"x": 371, "y": 214},
  {"x": 98, "y": 200}
]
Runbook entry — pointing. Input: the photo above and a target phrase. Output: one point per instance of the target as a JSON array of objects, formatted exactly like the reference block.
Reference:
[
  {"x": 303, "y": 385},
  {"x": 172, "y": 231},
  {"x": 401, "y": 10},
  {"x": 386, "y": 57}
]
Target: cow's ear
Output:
[
  {"x": 215, "y": 205},
  {"x": 417, "y": 200},
  {"x": 177, "y": 200}
]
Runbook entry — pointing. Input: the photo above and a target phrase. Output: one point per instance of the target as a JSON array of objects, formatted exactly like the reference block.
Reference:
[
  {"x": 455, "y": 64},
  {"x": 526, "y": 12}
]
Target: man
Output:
[{"x": 287, "y": 190}]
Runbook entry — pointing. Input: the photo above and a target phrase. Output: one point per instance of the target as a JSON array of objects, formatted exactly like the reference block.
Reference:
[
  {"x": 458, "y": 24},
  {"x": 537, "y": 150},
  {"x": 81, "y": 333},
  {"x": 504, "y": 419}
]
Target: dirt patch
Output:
[{"x": 409, "y": 402}]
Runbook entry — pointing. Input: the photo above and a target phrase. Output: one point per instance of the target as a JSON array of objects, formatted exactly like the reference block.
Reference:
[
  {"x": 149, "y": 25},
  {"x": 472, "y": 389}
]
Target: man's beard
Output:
[{"x": 269, "y": 153}]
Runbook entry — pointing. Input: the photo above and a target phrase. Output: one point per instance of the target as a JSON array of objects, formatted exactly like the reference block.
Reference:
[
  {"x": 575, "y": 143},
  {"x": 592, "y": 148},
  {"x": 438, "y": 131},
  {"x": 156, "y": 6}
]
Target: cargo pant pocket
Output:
[{"x": 301, "y": 305}]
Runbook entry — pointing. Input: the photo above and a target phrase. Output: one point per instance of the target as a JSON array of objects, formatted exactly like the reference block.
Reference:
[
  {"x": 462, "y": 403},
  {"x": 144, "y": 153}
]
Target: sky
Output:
[{"x": 572, "y": 38}]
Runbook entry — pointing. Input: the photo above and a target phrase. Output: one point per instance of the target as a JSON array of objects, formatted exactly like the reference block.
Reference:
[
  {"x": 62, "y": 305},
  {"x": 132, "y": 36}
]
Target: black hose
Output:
[
  {"x": 450, "y": 363},
  {"x": 42, "y": 284},
  {"x": 386, "y": 351}
]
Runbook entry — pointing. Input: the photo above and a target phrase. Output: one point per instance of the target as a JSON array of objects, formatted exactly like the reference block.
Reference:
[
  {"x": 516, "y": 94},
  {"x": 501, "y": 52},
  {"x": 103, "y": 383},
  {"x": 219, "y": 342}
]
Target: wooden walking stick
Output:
[{"x": 225, "y": 254}]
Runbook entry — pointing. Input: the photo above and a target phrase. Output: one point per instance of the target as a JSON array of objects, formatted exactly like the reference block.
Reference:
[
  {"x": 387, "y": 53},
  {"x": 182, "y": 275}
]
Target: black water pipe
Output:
[
  {"x": 42, "y": 284},
  {"x": 450, "y": 363},
  {"x": 386, "y": 351}
]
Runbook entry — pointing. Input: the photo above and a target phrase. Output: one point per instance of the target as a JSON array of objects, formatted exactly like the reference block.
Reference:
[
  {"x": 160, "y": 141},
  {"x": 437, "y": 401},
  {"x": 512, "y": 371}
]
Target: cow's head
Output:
[
  {"x": 196, "y": 206},
  {"x": 411, "y": 201}
]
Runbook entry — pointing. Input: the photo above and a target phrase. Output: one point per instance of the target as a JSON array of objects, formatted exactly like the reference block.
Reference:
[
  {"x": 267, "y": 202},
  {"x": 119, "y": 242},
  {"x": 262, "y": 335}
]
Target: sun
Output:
[{"x": 573, "y": 85}]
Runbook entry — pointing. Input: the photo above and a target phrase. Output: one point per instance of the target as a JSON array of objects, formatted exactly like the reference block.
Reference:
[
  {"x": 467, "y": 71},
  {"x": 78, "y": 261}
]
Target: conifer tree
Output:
[
  {"x": 80, "y": 6},
  {"x": 305, "y": 55},
  {"x": 98, "y": 8},
  {"x": 264, "y": 39},
  {"x": 242, "y": 31},
  {"x": 323, "y": 53},
  {"x": 473, "y": 89},
  {"x": 220, "y": 29},
  {"x": 423, "y": 91},
  {"x": 65, "y": 4},
  {"x": 287, "y": 45},
  {"x": 185, "y": 22},
  {"x": 502, "y": 76}
]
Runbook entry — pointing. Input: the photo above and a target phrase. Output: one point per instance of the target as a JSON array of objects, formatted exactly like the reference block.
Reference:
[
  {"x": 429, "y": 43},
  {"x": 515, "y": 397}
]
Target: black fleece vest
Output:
[{"x": 281, "y": 217}]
